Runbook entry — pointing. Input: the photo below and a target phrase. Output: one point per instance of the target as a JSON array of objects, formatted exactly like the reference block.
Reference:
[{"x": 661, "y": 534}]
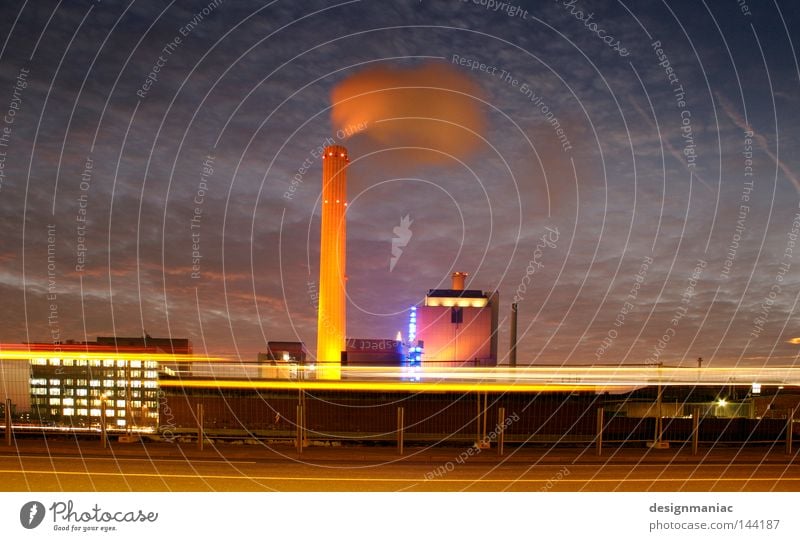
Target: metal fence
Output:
[
  {"x": 522, "y": 418},
  {"x": 484, "y": 418}
]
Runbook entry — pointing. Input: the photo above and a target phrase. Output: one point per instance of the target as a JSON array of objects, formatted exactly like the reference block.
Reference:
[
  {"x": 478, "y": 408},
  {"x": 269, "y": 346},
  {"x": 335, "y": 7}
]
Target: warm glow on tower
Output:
[{"x": 331, "y": 318}]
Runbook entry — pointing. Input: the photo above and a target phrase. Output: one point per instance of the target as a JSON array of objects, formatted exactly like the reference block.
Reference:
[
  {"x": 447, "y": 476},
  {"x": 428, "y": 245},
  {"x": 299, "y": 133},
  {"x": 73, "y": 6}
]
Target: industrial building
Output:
[
  {"x": 373, "y": 352},
  {"x": 72, "y": 384},
  {"x": 456, "y": 326}
]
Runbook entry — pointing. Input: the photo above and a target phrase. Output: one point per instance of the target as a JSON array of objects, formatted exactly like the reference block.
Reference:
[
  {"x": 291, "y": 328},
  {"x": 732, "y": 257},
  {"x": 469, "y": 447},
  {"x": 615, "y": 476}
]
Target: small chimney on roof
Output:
[{"x": 458, "y": 280}]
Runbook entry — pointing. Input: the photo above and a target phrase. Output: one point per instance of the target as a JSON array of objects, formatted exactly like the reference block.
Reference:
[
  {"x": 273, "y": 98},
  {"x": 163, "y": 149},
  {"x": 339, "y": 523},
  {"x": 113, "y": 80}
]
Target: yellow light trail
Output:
[
  {"x": 28, "y": 355},
  {"x": 405, "y": 386},
  {"x": 202, "y": 476}
]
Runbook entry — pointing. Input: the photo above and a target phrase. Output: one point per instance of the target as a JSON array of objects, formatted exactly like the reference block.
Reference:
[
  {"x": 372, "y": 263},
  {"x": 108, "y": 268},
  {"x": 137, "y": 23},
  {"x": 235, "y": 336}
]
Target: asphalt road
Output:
[{"x": 33, "y": 466}]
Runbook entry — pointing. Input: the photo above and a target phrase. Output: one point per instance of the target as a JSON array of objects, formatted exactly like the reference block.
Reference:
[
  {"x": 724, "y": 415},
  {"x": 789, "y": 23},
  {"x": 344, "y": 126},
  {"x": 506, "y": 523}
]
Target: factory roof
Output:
[{"x": 468, "y": 293}]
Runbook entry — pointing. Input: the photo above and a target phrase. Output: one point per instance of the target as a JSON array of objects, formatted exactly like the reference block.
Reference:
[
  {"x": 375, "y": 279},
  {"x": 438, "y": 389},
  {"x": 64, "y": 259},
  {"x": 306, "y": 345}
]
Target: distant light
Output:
[
  {"x": 795, "y": 340},
  {"x": 722, "y": 402},
  {"x": 286, "y": 356},
  {"x": 756, "y": 388}
]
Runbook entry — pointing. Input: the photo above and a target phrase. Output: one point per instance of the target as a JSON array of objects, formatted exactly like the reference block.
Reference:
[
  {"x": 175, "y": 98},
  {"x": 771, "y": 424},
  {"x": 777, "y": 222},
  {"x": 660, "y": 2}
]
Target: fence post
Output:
[
  {"x": 695, "y": 429},
  {"x": 9, "y": 428},
  {"x": 485, "y": 417},
  {"x": 501, "y": 422},
  {"x": 789, "y": 419},
  {"x": 200, "y": 432},
  {"x": 478, "y": 421},
  {"x": 400, "y": 429},
  {"x": 600, "y": 420},
  {"x": 299, "y": 425}
]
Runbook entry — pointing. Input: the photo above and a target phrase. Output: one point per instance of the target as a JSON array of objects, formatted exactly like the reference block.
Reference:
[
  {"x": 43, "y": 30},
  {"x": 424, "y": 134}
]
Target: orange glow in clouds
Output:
[{"x": 434, "y": 106}]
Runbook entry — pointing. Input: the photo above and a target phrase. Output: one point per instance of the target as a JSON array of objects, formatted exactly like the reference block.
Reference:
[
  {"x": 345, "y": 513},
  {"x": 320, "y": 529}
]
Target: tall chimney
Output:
[
  {"x": 458, "y": 280},
  {"x": 331, "y": 317}
]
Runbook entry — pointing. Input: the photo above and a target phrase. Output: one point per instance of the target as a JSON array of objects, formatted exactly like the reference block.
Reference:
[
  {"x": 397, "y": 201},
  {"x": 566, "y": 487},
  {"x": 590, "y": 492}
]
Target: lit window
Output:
[
  {"x": 136, "y": 403},
  {"x": 120, "y": 422},
  {"x": 120, "y": 413},
  {"x": 136, "y": 364},
  {"x": 55, "y": 382},
  {"x": 55, "y": 391},
  {"x": 121, "y": 363},
  {"x": 136, "y": 383},
  {"x": 68, "y": 362},
  {"x": 81, "y": 362},
  {"x": 38, "y": 390},
  {"x": 82, "y": 402},
  {"x": 108, "y": 363},
  {"x": 150, "y": 374},
  {"x": 94, "y": 383},
  {"x": 95, "y": 362},
  {"x": 120, "y": 403},
  {"x": 109, "y": 413},
  {"x": 68, "y": 402},
  {"x": 69, "y": 411},
  {"x": 82, "y": 383},
  {"x": 121, "y": 383},
  {"x": 94, "y": 412},
  {"x": 39, "y": 381},
  {"x": 108, "y": 383},
  {"x": 55, "y": 401},
  {"x": 39, "y": 362},
  {"x": 150, "y": 384},
  {"x": 82, "y": 392},
  {"x": 83, "y": 411},
  {"x": 55, "y": 362}
]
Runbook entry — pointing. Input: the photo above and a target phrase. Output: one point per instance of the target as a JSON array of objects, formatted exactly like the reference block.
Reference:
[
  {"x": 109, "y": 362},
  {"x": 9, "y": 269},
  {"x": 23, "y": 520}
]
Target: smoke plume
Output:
[{"x": 433, "y": 106}]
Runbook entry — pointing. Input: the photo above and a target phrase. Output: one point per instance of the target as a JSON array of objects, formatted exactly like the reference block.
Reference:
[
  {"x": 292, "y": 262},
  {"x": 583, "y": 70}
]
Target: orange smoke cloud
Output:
[{"x": 433, "y": 106}]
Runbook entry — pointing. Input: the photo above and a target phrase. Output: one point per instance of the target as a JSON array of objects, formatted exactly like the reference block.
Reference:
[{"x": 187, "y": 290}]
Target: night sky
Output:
[{"x": 628, "y": 170}]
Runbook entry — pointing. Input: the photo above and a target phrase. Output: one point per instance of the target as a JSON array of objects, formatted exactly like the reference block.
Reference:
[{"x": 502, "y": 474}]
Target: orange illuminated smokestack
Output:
[
  {"x": 331, "y": 318},
  {"x": 458, "y": 280}
]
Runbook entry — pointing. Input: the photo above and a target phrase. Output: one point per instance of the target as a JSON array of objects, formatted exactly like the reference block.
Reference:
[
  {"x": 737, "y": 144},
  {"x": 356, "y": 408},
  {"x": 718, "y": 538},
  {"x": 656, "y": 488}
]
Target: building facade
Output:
[
  {"x": 114, "y": 379},
  {"x": 457, "y": 326}
]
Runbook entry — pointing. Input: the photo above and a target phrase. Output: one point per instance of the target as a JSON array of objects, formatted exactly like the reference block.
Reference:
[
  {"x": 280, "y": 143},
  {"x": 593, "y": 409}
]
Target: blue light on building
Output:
[
  {"x": 414, "y": 355},
  {"x": 412, "y": 325}
]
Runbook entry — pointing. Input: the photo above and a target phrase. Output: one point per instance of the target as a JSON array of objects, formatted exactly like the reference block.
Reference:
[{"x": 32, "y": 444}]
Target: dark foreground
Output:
[{"x": 65, "y": 465}]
